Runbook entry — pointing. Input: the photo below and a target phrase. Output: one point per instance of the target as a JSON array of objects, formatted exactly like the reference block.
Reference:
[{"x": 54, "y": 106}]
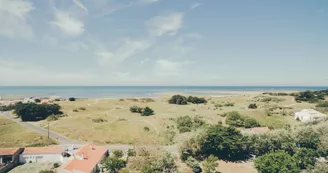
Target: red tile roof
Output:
[
  {"x": 43, "y": 150},
  {"x": 92, "y": 155},
  {"x": 8, "y": 151}
]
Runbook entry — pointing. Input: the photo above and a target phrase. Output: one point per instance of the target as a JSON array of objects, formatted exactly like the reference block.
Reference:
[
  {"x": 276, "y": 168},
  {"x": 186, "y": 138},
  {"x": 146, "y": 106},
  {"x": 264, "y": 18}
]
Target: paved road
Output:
[{"x": 67, "y": 142}]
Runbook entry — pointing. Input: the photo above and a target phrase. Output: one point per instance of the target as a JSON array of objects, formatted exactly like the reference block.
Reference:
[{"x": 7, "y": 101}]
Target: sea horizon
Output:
[{"x": 138, "y": 91}]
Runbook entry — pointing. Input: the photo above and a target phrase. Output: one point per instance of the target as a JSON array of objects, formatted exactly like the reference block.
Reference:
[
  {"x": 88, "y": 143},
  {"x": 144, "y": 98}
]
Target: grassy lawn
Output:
[
  {"x": 14, "y": 135},
  {"x": 108, "y": 121}
]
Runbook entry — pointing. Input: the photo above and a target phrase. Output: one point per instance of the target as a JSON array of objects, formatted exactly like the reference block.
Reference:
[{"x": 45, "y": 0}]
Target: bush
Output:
[
  {"x": 118, "y": 153},
  {"x": 186, "y": 123},
  {"x": 196, "y": 100},
  {"x": 99, "y": 120},
  {"x": 113, "y": 164},
  {"x": 56, "y": 165},
  {"x": 82, "y": 108},
  {"x": 250, "y": 123},
  {"x": 229, "y": 104},
  {"x": 146, "y": 129},
  {"x": 136, "y": 109},
  {"x": 178, "y": 99},
  {"x": 210, "y": 164},
  {"x": 46, "y": 171},
  {"x": 234, "y": 119},
  {"x": 164, "y": 163},
  {"x": 322, "y": 104},
  {"x": 278, "y": 161},
  {"x": 75, "y": 110},
  {"x": 132, "y": 152},
  {"x": 52, "y": 118},
  {"x": 72, "y": 99},
  {"x": 252, "y": 106},
  {"x": 307, "y": 138},
  {"x": 35, "y": 112},
  {"x": 147, "y": 112},
  {"x": 37, "y": 100},
  {"x": 306, "y": 158}
]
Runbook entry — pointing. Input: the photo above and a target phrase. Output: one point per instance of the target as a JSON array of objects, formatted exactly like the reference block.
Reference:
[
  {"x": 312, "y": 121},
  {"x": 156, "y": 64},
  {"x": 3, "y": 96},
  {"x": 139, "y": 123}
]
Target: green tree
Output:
[
  {"x": 305, "y": 158},
  {"x": 209, "y": 164},
  {"x": 35, "y": 112},
  {"x": 307, "y": 138},
  {"x": 276, "y": 162},
  {"x": 178, "y": 99},
  {"x": 113, "y": 164},
  {"x": 147, "y": 112},
  {"x": 223, "y": 142}
]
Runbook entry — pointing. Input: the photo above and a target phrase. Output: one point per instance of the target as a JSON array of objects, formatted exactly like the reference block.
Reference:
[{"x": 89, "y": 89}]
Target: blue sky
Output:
[{"x": 163, "y": 42}]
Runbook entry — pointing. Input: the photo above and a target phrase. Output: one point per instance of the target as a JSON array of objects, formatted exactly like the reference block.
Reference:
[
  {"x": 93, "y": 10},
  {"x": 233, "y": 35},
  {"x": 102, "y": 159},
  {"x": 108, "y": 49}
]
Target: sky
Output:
[{"x": 164, "y": 42}]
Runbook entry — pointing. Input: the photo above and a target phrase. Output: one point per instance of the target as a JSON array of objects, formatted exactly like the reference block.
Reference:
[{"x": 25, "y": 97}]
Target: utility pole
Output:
[{"x": 48, "y": 133}]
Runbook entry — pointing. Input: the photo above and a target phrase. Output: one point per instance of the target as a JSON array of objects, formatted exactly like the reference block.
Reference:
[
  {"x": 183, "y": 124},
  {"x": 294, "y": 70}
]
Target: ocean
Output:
[{"x": 136, "y": 91}]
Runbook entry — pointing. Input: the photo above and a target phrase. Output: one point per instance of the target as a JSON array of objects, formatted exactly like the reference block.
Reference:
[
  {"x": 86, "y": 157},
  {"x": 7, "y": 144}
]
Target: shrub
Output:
[
  {"x": 35, "y": 112},
  {"x": 178, "y": 99},
  {"x": 163, "y": 163},
  {"x": 184, "y": 124},
  {"x": 306, "y": 158},
  {"x": 99, "y": 120},
  {"x": 307, "y": 138},
  {"x": 52, "y": 118},
  {"x": 252, "y": 106},
  {"x": 146, "y": 129},
  {"x": 210, "y": 164},
  {"x": 113, "y": 164},
  {"x": 147, "y": 112},
  {"x": 250, "y": 123},
  {"x": 75, "y": 110},
  {"x": 82, "y": 108},
  {"x": 37, "y": 100},
  {"x": 198, "y": 122},
  {"x": 322, "y": 104},
  {"x": 72, "y": 99},
  {"x": 118, "y": 153},
  {"x": 196, "y": 100},
  {"x": 46, "y": 171},
  {"x": 193, "y": 164},
  {"x": 234, "y": 119},
  {"x": 132, "y": 152},
  {"x": 121, "y": 100},
  {"x": 278, "y": 161},
  {"x": 56, "y": 165},
  {"x": 229, "y": 104},
  {"x": 136, "y": 109},
  {"x": 223, "y": 114}
]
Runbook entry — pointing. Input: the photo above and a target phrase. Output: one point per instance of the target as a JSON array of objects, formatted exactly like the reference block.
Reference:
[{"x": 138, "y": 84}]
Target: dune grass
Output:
[{"x": 15, "y": 135}]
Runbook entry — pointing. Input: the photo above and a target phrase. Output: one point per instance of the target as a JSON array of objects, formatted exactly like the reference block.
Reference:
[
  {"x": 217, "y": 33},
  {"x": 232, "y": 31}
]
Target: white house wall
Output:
[{"x": 26, "y": 158}]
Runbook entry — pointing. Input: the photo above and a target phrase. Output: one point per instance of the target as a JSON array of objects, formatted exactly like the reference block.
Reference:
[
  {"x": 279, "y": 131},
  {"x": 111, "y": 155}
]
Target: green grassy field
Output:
[{"x": 108, "y": 121}]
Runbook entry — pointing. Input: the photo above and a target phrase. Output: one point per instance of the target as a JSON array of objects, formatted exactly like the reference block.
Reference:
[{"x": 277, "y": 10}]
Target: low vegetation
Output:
[
  {"x": 323, "y": 104},
  {"x": 71, "y": 99},
  {"x": 182, "y": 100},
  {"x": 252, "y": 106},
  {"x": 276, "y": 94},
  {"x": 237, "y": 120},
  {"x": 311, "y": 96},
  {"x": 187, "y": 124},
  {"x": 143, "y": 111}
]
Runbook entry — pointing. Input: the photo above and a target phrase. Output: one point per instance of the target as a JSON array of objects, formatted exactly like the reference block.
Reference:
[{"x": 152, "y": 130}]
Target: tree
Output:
[
  {"x": 178, "y": 99},
  {"x": 72, "y": 99},
  {"x": 234, "y": 119},
  {"x": 136, "y": 109},
  {"x": 164, "y": 163},
  {"x": 223, "y": 142},
  {"x": 252, "y": 106},
  {"x": 113, "y": 164},
  {"x": 305, "y": 158},
  {"x": 147, "y": 112},
  {"x": 276, "y": 162},
  {"x": 307, "y": 138},
  {"x": 210, "y": 164},
  {"x": 35, "y": 112}
]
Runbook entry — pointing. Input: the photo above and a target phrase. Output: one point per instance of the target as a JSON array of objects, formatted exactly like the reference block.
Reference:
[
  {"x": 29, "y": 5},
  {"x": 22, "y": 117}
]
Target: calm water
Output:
[{"x": 133, "y": 91}]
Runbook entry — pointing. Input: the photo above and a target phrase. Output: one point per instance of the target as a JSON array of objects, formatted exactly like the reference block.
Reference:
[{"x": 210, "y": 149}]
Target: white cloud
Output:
[
  {"x": 13, "y": 18},
  {"x": 164, "y": 67},
  {"x": 129, "y": 48},
  {"x": 68, "y": 24},
  {"x": 148, "y": 1},
  {"x": 165, "y": 24},
  {"x": 79, "y": 4},
  {"x": 194, "y": 6}
]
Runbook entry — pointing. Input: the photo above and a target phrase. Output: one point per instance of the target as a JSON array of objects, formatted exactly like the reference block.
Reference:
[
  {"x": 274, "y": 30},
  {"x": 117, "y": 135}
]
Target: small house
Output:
[
  {"x": 9, "y": 158},
  {"x": 309, "y": 115},
  {"x": 42, "y": 154}
]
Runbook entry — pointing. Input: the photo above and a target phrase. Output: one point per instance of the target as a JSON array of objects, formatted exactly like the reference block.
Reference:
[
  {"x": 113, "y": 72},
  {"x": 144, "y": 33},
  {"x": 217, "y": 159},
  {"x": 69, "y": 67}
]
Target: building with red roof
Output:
[{"x": 85, "y": 160}]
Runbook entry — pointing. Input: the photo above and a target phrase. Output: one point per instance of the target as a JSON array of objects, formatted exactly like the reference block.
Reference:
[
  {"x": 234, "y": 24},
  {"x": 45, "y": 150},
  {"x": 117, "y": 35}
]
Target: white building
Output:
[
  {"x": 309, "y": 115},
  {"x": 42, "y": 154}
]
